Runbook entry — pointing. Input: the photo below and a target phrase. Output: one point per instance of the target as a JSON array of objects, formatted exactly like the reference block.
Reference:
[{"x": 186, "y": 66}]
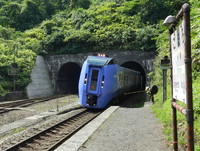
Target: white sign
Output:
[{"x": 178, "y": 64}]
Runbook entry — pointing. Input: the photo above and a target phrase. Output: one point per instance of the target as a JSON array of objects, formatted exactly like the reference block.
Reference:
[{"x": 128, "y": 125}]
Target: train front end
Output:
[{"x": 92, "y": 82}]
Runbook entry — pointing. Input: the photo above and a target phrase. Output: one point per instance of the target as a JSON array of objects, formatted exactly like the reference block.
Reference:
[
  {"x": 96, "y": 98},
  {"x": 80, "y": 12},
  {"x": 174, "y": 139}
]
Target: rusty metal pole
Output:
[
  {"x": 164, "y": 85},
  {"x": 188, "y": 72},
  {"x": 174, "y": 114},
  {"x": 174, "y": 126}
]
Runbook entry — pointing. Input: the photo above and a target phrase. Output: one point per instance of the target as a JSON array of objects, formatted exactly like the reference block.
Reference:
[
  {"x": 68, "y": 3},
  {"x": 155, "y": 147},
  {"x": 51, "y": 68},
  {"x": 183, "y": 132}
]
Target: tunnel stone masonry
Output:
[{"x": 60, "y": 73}]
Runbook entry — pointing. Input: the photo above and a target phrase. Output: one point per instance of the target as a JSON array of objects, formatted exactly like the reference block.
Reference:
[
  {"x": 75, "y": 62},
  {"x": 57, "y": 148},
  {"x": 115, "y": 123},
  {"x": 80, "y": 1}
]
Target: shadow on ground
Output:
[{"x": 133, "y": 101}]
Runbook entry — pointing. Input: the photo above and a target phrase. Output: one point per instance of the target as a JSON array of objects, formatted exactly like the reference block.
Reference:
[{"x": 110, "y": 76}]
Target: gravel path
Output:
[{"x": 128, "y": 129}]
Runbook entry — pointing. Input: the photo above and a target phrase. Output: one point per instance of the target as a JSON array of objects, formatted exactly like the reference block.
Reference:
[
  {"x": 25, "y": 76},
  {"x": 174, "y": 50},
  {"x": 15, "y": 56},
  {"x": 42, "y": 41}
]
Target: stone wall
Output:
[
  {"x": 55, "y": 62},
  {"x": 11, "y": 96}
]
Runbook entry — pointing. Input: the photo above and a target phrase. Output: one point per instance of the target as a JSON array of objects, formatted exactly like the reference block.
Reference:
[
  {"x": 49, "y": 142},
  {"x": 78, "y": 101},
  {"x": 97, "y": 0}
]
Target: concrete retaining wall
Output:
[{"x": 41, "y": 84}]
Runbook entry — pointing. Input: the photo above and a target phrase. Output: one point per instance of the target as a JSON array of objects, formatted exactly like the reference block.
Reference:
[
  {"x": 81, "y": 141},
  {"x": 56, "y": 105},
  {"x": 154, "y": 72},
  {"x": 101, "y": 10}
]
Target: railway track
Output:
[
  {"x": 14, "y": 105},
  {"x": 50, "y": 138}
]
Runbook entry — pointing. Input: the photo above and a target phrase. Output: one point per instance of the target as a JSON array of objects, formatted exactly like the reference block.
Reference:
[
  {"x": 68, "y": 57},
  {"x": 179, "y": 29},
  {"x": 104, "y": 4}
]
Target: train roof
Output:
[{"x": 100, "y": 61}]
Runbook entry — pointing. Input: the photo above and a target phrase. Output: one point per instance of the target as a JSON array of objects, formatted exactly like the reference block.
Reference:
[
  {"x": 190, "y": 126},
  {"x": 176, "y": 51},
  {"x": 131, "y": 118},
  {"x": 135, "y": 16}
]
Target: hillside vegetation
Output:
[
  {"x": 29, "y": 28},
  {"x": 44, "y": 27}
]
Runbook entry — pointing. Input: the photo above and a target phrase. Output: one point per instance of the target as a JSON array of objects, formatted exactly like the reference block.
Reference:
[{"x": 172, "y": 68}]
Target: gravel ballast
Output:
[
  {"x": 34, "y": 109},
  {"x": 37, "y": 125}
]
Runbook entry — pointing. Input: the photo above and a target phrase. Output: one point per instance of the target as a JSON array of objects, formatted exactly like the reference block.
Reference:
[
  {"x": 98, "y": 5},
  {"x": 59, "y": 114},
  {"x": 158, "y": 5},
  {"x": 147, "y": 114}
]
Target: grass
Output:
[
  {"x": 163, "y": 112},
  {"x": 71, "y": 98},
  {"x": 36, "y": 101},
  {"x": 18, "y": 130}
]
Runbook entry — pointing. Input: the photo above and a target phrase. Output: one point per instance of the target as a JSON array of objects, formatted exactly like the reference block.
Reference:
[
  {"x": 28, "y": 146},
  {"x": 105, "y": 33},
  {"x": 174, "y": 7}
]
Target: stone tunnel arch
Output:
[
  {"x": 136, "y": 66},
  {"x": 68, "y": 78}
]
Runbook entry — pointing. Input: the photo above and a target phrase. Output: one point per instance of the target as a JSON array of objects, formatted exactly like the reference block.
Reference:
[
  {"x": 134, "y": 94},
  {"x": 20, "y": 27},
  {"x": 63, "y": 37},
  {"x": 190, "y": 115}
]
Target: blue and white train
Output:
[{"x": 102, "y": 80}]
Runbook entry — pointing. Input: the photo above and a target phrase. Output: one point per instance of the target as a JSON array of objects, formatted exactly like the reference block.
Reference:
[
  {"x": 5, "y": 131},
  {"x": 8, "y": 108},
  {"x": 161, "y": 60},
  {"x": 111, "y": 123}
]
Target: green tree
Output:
[
  {"x": 6, "y": 33},
  {"x": 10, "y": 15},
  {"x": 31, "y": 14},
  {"x": 83, "y": 4},
  {"x": 153, "y": 11}
]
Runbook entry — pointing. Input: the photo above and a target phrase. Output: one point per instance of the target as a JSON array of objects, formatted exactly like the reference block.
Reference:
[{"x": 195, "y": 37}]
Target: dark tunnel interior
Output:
[
  {"x": 136, "y": 66},
  {"x": 68, "y": 78}
]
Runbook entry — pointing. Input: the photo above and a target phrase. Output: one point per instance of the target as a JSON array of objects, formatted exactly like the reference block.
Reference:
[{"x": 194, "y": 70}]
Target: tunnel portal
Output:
[
  {"x": 68, "y": 78},
  {"x": 137, "y": 67}
]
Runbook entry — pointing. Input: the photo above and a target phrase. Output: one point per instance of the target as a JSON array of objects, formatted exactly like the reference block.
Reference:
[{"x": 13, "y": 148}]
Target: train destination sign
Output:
[{"x": 178, "y": 64}]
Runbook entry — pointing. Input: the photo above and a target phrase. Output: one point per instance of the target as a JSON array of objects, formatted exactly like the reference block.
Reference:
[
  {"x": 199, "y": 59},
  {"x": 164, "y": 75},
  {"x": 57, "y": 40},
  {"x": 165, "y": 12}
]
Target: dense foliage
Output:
[
  {"x": 32, "y": 27},
  {"x": 28, "y": 28}
]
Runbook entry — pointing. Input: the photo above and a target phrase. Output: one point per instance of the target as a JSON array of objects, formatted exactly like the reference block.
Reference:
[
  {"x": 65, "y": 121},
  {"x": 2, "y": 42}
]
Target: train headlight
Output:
[
  {"x": 85, "y": 80},
  {"x": 102, "y": 55},
  {"x": 102, "y": 82}
]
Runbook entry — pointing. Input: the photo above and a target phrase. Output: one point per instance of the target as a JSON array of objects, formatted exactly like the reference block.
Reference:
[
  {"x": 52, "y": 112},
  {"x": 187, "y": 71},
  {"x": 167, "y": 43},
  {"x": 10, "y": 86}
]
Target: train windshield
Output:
[
  {"x": 94, "y": 80},
  {"x": 100, "y": 61}
]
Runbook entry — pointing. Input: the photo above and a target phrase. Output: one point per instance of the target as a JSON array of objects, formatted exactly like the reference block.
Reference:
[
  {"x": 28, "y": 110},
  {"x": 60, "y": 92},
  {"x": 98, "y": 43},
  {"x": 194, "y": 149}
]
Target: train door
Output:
[{"x": 94, "y": 80}]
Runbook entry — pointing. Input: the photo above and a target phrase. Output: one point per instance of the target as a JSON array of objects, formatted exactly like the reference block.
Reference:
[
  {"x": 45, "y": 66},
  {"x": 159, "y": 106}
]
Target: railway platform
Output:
[{"x": 120, "y": 128}]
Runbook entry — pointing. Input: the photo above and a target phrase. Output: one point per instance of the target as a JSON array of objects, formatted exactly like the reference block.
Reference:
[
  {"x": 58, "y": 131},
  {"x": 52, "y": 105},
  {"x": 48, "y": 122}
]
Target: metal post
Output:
[
  {"x": 174, "y": 114},
  {"x": 57, "y": 105},
  {"x": 165, "y": 64},
  {"x": 188, "y": 71},
  {"x": 174, "y": 126},
  {"x": 164, "y": 85}
]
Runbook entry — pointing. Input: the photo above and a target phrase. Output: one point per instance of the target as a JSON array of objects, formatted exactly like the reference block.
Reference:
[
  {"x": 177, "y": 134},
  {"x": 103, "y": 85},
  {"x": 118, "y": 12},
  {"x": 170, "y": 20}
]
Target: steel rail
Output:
[
  {"x": 15, "y": 105},
  {"x": 54, "y": 131}
]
